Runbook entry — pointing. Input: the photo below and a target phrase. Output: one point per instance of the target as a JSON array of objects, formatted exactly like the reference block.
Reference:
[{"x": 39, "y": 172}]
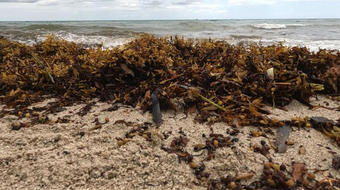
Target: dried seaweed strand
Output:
[
  {"x": 212, "y": 103},
  {"x": 41, "y": 63}
]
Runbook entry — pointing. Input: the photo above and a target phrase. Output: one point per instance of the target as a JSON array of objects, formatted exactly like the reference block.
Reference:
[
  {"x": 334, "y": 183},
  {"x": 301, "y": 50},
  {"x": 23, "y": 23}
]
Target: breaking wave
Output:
[
  {"x": 92, "y": 41},
  {"x": 268, "y": 26},
  {"x": 315, "y": 34}
]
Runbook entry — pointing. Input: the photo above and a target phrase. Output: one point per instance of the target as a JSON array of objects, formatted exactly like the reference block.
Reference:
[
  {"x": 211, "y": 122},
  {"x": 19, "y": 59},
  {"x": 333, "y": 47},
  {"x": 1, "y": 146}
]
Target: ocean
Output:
[{"x": 315, "y": 34}]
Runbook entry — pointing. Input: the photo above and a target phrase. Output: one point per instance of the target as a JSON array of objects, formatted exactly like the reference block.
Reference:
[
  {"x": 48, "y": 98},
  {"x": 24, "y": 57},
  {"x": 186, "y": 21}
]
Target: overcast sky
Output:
[{"x": 166, "y": 9}]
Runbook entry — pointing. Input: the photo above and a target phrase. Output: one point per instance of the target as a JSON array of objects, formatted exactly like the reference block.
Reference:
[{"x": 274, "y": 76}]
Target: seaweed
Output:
[
  {"x": 277, "y": 176},
  {"x": 336, "y": 162},
  {"x": 177, "y": 146},
  {"x": 217, "y": 80},
  {"x": 234, "y": 81},
  {"x": 328, "y": 127},
  {"x": 143, "y": 130},
  {"x": 215, "y": 141}
]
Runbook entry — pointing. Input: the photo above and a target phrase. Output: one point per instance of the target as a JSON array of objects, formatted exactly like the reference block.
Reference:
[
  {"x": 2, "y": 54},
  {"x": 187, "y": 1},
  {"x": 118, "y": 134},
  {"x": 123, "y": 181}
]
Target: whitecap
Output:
[
  {"x": 269, "y": 26},
  {"x": 91, "y": 41},
  {"x": 296, "y": 25}
]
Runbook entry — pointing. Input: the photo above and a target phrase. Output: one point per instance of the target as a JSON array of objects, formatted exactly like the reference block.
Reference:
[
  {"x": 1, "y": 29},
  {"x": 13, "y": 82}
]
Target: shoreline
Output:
[{"x": 111, "y": 33}]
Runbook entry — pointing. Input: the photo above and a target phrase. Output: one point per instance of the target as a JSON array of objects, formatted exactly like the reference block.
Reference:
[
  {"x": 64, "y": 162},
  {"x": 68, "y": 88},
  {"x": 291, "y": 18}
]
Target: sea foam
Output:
[{"x": 268, "y": 26}]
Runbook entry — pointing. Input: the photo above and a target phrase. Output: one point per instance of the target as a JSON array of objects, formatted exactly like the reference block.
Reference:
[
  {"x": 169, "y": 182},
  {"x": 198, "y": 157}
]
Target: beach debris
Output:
[
  {"x": 60, "y": 120},
  {"x": 298, "y": 171},
  {"x": 321, "y": 122},
  {"x": 96, "y": 127},
  {"x": 121, "y": 142},
  {"x": 200, "y": 173},
  {"x": 245, "y": 176},
  {"x": 262, "y": 149},
  {"x": 332, "y": 75},
  {"x": 336, "y": 162},
  {"x": 199, "y": 147},
  {"x": 127, "y": 70},
  {"x": 274, "y": 177},
  {"x": 256, "y": 133},
  {"x": 302, "y": 150},
  {"x": 215, "y": 141},
  {"x": 270, "y": 73},
  {"x": 142, "y": 130},
  {"x": 327, "y": 126},
  {"x": 177, "y": 146},
  {"x": 193, "y": 165},
  {"x": 16, "y": 126},
  {"x": 138, "y": 129},
  {"x": 83, "y": 111},
  {"x": 310, "y": 176},
  {"x": 220, "y": 81},
  {"x": 127, "y": 123},
  {"x": 156, "y": 110},
  {"x": 282, "y": 138}
]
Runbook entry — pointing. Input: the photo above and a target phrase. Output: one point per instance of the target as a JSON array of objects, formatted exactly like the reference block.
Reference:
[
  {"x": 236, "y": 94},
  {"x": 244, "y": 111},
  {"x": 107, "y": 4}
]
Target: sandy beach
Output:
[
  {"x": 71, "y": 151},
  {"x": 233, "y": 117}
]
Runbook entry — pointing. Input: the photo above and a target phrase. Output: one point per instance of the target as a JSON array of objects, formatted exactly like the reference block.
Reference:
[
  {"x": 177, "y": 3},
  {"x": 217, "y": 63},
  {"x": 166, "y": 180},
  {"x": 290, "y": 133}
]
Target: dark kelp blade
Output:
[
  {"x": 281, "y": 138},
  {"x": 156, "y": 110}
]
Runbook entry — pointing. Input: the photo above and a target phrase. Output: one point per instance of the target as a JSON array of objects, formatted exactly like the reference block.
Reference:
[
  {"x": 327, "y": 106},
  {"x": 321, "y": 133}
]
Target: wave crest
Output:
[{"x": 269, "y": 26}]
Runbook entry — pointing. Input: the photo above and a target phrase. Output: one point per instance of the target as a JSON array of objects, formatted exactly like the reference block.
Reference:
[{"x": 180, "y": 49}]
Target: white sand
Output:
[{"x": 55, "y": 156}]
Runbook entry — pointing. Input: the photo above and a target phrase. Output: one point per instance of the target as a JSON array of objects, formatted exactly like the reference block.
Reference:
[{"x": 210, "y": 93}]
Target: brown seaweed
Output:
[
  {"x": 213, "y": 76},
  {"x": 336, "y": 162},
  {"x": 177, "y": 146},
  {"x": 217, "y": 80}
]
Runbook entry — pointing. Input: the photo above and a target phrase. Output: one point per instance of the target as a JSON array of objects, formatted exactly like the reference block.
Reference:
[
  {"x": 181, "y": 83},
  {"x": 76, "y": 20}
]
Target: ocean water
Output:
[{"x": 312, "y": 33}]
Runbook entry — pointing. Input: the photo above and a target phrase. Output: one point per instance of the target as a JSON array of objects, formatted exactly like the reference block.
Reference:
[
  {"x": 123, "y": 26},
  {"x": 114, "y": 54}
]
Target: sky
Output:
[{"x": 26, "y": 10}]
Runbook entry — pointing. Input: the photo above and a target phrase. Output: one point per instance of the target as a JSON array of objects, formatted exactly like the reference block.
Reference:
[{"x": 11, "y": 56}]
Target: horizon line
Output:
[{"x": 193, "y": 19}]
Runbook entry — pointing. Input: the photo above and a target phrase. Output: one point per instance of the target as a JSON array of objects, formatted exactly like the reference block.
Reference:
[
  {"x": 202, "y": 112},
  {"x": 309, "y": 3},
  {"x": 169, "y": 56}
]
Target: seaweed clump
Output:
[
  {"x": 220, "y": 81},
  {"x": 213, "y": 76}
]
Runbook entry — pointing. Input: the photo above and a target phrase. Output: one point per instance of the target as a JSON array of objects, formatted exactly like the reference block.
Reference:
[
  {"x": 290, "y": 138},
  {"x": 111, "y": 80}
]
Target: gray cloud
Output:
[
  {"x": 55, "y": 2},
  {"x": 117, "y": 4},
  {"x": 143, "y": 2},
  {"x": 18, "y": 1},
  {"x": 152, "y": 3},
  {"x": 186, "y": 2},
  {"x": 61, "y": 1}
]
